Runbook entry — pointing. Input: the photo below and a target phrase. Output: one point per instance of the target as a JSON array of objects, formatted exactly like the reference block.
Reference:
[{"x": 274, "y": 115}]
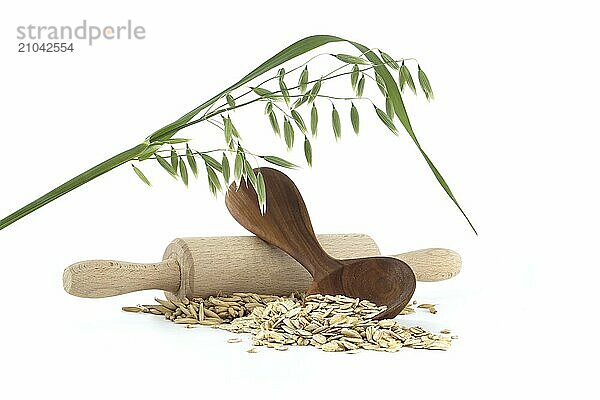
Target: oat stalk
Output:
[{"x": 293, "y": 97}]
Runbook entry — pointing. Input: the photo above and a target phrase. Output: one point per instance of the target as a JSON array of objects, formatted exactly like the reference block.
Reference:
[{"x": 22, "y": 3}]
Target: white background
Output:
[{"x": 514, "y": 129}]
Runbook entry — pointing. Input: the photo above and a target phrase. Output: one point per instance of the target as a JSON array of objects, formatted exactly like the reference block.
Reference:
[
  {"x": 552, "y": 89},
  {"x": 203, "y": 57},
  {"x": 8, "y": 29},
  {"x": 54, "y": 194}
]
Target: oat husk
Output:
[{"x": 330, "y": 323}]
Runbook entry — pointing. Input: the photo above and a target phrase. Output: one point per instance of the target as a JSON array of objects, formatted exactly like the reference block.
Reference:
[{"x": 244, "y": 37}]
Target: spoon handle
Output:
[{"x": 285, "y": 224}]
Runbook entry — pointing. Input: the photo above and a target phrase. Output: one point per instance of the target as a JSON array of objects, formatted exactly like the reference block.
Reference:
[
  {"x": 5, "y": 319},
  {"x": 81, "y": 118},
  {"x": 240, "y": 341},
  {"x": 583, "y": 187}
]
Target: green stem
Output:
[
  {"x": 296, "y": 49},
  {"x": 203, "y": 152},
  {"x": 74, "y": 183},
  {"x": 323, "y": 78}
]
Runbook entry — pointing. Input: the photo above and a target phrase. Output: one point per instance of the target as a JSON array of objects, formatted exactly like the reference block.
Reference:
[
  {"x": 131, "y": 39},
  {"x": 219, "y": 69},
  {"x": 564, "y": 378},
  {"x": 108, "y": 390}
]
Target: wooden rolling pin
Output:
[{"x": 204, "y": 266}]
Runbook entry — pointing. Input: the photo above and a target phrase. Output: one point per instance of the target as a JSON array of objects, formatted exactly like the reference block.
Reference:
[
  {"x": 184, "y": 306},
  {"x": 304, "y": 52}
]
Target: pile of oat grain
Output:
[{"x": 331, "y": 323}]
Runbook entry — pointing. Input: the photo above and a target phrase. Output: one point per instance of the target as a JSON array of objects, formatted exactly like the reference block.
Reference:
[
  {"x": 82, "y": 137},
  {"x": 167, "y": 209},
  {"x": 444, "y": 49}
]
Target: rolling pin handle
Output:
[
  {"x": 105, "y": 278},
  {"x": 432, "y": 265}
]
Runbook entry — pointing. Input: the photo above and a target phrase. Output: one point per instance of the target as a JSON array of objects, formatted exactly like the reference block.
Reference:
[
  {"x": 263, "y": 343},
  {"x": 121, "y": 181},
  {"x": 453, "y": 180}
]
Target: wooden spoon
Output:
[{"x": 286, "y": 225}]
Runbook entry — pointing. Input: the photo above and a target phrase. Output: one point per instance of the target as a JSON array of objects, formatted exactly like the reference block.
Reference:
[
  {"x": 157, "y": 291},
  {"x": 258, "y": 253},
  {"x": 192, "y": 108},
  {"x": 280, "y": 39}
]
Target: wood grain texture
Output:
[
  {"x": 248, "y": 264},
  {"x": 205, "y": 266},
  {"x": 104, "y": 278},
  {"x": 432, "y": 265},
  {"x": 286, "y": 224},
  {"x": 215, "y": 263}
]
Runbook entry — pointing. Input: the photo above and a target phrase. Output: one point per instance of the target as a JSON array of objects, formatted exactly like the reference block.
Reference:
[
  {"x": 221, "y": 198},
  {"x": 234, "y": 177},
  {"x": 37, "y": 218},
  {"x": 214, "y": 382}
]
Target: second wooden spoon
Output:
[{"x": 286, "y": 224}]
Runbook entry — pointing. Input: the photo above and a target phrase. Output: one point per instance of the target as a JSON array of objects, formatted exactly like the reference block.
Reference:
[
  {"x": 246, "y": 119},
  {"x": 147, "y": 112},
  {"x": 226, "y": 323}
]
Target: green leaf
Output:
[
  {"x": 226, "y": 171},
  {"x": 303, "y": 81},
  {"x": 183, "y": 172},
  {"x": 264, "y": 93},
  {"x": 299, "y": 121},
  {"x": 141, "y": 175},
  {"x": 389, "y": 108},
  {"x": 174, "y": 158},
  {"x": 386, "y": 120},
  {"x": 301, "y": 100},
  {"x": 238, "y": 167},
  {"x": 406, "y": 79},
  {"x": 281, "y": 73},
  {"x": 314, "y": 91},
  {"x": 389, "y": 60},
  {"x": 234, "y": 130},
  {"x": 231, "y": 145},
  {"x": 230, "y": 100},
  {"x": 73, "y": 183},
  {"x": 335, "y": 121},
  {"x": 174, "y": 141},
  {"x": 288, "y": 133},
  {"x": 250, "y": 173},
  {"x": 351, "y": 59},
  {"x": 400, "y": 111},
  {"x": 228, "y": 129},
  {"x": 168, "y": 167},
  {"x": 354, "y": 76},
  {"x": 284, "y": 91},
  {"x": 314, "y": 120},
  {"x": 381, "y": 84},
  {"x": 261, "y": 192},
  {"x": 279, "y": 161},
  {"x": 212, "y": 162},
  {"x": 425, "y": 85},
  {"x": 308, "y": 151},
  {"x": 213, "y": 179},
  {"x": 212, "y": 188},
  {"x": 274, "y": 123},
  {"x": 354, "y": 118},
  {"x": 148, "y": 152},
  {"x": 269, "y": 108},
  {"x": 360, "y": 88},
  {"x": 401, "y": 80},
  {"x": 191, "y": 160}
]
